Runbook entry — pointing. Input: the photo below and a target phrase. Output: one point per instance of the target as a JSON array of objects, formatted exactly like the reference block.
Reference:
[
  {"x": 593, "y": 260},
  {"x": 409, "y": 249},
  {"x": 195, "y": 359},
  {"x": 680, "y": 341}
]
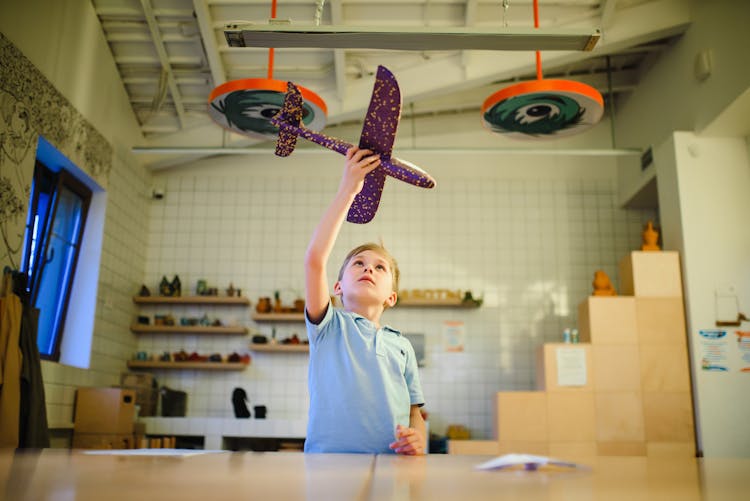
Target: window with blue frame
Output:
[{"x": 54, "y": 230}]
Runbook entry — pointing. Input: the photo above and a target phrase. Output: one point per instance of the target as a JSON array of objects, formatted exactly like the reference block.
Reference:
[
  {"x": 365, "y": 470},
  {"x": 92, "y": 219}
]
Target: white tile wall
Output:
[{"x": 524, "y": 232}]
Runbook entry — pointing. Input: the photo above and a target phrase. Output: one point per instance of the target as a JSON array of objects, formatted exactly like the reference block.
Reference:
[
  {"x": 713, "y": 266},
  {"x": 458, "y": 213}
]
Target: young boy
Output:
[{"x": 363, "y": 381}]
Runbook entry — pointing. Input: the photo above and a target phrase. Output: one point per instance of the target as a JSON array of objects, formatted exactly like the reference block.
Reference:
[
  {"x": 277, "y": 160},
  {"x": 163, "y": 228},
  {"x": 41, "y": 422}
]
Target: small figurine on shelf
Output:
[
  {"x": 277, "y": 302},
  {"x": 650, "y": 238},
  {"x": 201, "y": 288},
  {"x": 230, "y": 290},
  {"x": 176, "y": 286},
  {"x": 144, "y": 292},
  {"x": 299, "y": 305},
  {"x": 264, "y": 305},
  {"x": 165, "y": 288},
  {"x": 602, "y": 284}
]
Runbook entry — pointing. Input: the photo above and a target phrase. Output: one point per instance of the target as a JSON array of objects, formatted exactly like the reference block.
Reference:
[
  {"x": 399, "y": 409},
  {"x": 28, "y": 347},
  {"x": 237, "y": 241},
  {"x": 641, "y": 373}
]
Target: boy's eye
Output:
[
  {"x": 380, "y": 267},
  {"x": 358, "y": 263}
]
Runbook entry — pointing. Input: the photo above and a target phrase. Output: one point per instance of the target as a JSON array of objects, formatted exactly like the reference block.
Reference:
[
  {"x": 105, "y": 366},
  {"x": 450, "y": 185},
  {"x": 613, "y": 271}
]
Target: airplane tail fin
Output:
[{"x": 287, "y": 120}]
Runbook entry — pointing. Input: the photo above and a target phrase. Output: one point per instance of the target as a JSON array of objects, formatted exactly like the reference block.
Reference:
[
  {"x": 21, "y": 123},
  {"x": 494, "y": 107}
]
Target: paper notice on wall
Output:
[
  {"x": 713, "y": 350},
  {"x": 453, "y": 336},
  {"x": 571, "y": 367},
  {"x": 743, "y": 346}
]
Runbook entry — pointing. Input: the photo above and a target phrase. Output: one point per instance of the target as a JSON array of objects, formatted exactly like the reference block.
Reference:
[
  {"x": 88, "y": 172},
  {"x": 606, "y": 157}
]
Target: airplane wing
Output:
[
  {"x": 366, "y": 202},
  {"x": 383, "y": 114},
  {"x": 378, "y": 134}
]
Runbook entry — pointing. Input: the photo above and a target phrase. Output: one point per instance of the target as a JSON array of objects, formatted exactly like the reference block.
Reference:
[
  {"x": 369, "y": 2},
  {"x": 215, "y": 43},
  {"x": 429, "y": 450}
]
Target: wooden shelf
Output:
[
  {"x": 203, "y": 366},
  {"x": 187, "y": 329},
  {"x": 436, "y": 303},
  {"x": 280, "y": 348},
  {"x": 279, "y": 317},
  {"x": 204, "y": 300}
]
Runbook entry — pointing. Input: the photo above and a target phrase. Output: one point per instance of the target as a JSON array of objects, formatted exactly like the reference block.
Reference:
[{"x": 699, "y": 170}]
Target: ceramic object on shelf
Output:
[
  {"x": 650, "y": 238},
  {"x": 602, "y": 284}
]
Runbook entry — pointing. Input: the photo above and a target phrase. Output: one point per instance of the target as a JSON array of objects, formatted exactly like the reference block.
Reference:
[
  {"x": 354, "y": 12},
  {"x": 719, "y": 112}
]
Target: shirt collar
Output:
[{"x": 359, "y": 318}]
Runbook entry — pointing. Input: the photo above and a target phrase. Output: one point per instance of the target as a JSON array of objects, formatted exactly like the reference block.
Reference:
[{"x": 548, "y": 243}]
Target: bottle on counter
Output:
[
  {"x": 574, "y": 336},
  {"x": 566, "y": 335}
]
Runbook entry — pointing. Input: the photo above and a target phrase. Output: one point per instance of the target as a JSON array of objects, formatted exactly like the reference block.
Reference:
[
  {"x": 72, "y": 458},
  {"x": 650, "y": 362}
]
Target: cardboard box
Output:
[
  {"x": 670, "y": 449},
  {"x": 661, "y": 321},
  {"x": 616, "y": 368},
  {"x": 621, "y": 448},
  {"x": 516, "y": 447},
  {"x": 668, "y": 416},
  {"x": 146, "y": 391},
  {"x": 619, "y": 417},
  {"x": 521, "y": 416},
  {"x": 572, "y": 450},
  {"x": 664, "y": 368},
  {"x": 651, "y": 274},
  {"x": 103, "y": 441},
  {"x": 473, "y": 447},
  {"x": 104, "y": 411},
  {"x": 607, "y": 320},
  {"x": 546, "y": 373},
  {"x": 571, "y": 417}
]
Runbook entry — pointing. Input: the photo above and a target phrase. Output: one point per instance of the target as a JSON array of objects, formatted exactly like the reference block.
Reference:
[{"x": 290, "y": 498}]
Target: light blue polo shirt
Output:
[{"x": 362, "y": 382}]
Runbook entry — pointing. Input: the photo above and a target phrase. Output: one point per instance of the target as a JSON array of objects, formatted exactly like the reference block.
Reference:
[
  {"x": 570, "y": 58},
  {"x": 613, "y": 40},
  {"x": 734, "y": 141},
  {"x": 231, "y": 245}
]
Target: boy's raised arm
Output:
[{"x": 359, "y": 163}]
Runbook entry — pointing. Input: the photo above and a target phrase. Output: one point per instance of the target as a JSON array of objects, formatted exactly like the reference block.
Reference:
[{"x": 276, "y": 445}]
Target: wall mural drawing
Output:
[{"x": 30, "y": 106}]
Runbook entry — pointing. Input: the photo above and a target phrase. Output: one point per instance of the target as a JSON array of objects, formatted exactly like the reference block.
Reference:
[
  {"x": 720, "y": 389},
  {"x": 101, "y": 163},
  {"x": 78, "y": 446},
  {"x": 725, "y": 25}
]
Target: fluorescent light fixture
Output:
[
  {"x": 159, "y": 150},
  {"x": 416, "y": 38}
]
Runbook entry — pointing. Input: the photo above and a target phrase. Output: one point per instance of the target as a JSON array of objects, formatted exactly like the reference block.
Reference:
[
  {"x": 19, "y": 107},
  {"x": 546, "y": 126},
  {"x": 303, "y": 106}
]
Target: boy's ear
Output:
[
  {"x": 337, "y": 288},
  {"x": 390, "y": 302}
]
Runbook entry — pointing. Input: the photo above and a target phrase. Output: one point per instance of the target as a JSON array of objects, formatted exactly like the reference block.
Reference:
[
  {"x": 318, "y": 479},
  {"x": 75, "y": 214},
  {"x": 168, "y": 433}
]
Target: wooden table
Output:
[{"x": 62, "y": 474}]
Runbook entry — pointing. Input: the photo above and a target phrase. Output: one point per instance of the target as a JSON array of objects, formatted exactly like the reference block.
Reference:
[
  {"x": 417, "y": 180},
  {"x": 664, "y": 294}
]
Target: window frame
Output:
[{"x": 59, "y": 179}]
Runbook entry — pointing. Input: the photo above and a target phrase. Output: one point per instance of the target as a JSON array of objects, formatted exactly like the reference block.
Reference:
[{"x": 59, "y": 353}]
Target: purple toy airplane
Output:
[{"x": 378, "y": 134}]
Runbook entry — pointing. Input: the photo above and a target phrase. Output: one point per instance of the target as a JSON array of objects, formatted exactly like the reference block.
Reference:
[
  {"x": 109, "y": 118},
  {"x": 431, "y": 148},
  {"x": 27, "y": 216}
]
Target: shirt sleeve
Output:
[
  {"x": 315, "y": 331},
  {"x": 412, "y": 377}
]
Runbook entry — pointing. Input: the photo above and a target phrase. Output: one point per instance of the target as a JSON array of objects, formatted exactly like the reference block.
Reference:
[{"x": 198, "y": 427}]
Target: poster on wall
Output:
[
  {"x": 743, "y": 346},
  {"x": 453, "y": 336},
  {"x": 713, "y": 350}
]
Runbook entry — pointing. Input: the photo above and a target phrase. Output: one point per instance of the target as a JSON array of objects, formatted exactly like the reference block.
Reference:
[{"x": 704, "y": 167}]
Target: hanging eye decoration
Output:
[
  {"x": 542, "y": 109},
  {"x": 246, "y": 106}
]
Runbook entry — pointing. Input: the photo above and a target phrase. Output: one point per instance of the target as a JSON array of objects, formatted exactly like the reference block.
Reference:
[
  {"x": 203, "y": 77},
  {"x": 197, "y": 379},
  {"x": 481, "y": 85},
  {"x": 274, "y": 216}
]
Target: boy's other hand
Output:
[
  {"x": 359, "y": 163},
  {"x": 408, "y": 442}
]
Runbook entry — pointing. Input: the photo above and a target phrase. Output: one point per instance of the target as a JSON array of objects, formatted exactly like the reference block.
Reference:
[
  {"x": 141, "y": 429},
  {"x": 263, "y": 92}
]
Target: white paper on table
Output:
[
  {"x": 571, "y": 367},
  {"x": 151, "y": 452},
  {"x": 528, "y": 461}
]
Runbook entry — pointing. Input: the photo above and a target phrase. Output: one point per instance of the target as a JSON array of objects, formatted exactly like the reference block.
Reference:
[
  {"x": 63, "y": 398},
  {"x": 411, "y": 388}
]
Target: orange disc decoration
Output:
[
  {"x": 246, "y": 106},
  {"x": 543, "y": 109}
]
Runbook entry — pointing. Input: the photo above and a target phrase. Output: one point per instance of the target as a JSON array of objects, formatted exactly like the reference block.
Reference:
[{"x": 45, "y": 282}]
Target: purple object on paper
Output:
[{"x": 378, "y": 134}]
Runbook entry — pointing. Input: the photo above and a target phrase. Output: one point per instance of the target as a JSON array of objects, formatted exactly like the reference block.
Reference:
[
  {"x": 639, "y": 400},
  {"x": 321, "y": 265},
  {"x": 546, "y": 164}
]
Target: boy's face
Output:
[{"x": 367, "y": 277}]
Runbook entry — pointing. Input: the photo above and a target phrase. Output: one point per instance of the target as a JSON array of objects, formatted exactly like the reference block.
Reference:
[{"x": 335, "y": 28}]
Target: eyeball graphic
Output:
[
  {"x": 247, "y": 106},
  {"x": 543, "y": 109}
]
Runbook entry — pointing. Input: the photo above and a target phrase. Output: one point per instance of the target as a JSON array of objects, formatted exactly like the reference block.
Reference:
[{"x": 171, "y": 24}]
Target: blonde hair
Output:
[{"x": 379, "y": 249}]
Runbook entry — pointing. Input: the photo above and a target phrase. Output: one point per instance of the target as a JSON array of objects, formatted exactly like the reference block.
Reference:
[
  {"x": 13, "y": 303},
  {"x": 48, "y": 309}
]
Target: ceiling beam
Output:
[
  {"x": 163, "y": 58},
  {"x": 339, "y": 56},
  {"x": 203, "y": 15},
  {"x": 607, "y": 12},
  {"x": 416, "y": 38}
]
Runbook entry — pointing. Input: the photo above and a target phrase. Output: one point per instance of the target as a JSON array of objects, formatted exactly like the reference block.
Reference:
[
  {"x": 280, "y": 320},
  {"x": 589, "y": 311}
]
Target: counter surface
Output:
[{"x": 63, "y": 474}]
